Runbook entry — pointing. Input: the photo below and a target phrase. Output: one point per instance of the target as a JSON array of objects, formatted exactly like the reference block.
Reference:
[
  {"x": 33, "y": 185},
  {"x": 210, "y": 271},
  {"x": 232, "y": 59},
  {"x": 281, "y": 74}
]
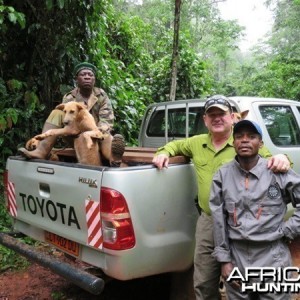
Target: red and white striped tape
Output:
[
  {"x": 11, "y": 196},
  {"x": 93, "y": 220}
]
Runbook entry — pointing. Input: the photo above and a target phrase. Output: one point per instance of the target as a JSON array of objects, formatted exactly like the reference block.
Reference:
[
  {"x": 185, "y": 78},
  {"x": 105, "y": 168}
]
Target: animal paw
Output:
[
  {"x": 88, "y": 139},
  {"x": 32, "y": 144},
  {"x": 39, "y": 137},
  {"x": 89, "y": 143},
  {"x": 104, "y": 129},
  {"x": 42, "y": 136},
  {"x": 98, "y": 134}
]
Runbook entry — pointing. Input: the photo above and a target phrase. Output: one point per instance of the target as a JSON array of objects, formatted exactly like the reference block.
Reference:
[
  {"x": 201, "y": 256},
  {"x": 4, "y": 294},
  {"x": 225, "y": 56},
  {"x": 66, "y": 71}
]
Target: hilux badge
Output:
[{"x": 91, "y": 182}]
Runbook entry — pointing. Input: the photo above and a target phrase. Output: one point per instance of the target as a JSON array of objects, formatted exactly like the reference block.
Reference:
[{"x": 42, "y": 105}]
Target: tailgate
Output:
[{"x": 55, "y": 197}]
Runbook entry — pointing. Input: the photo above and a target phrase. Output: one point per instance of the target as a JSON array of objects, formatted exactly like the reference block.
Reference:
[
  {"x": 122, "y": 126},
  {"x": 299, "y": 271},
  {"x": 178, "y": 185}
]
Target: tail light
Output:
[{"x": 117, "y": 229}]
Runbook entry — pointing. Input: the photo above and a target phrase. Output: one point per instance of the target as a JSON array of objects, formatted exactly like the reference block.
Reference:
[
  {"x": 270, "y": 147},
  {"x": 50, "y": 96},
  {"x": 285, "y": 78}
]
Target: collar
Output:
[
  {"x": 92, "y": 99},
  {"x": 96, "y": 91},
  {"x": 208, "y": 142},
  {"x": 257, "y": 170}
]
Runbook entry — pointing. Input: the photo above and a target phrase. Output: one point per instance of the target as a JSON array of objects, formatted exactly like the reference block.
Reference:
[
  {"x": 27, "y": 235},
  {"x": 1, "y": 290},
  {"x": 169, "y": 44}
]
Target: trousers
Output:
[{"x": 207, "y": 270}]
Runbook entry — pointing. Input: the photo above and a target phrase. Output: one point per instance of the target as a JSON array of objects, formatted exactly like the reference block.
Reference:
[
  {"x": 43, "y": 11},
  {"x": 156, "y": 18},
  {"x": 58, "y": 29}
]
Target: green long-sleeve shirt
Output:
[{"x": 206, "y": 160}]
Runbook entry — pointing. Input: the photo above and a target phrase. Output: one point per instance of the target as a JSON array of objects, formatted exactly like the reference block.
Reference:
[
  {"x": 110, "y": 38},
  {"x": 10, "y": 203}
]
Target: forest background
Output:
[{"x": 131, "y": 43}]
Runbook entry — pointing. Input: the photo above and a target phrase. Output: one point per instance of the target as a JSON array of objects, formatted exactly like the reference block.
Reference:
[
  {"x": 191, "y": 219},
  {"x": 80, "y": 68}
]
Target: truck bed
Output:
[
  {"x": 132, "y": 156},
  {"x": 52, "y": 200}
]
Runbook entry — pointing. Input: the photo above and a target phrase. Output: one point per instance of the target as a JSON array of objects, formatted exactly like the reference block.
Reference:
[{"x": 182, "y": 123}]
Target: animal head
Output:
[
  {"x": 71, "y": 110},
  {"x": 240, "y": 116}
]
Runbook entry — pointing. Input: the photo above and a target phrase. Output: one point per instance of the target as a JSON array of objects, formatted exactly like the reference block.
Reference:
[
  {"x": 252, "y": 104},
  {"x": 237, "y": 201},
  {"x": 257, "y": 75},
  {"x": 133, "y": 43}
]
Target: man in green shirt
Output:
[{"x": 209, "y": 152}]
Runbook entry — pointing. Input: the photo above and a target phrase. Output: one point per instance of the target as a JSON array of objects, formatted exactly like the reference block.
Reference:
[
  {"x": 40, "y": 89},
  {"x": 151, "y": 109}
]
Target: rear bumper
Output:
[{"x": 83, "y": 279}]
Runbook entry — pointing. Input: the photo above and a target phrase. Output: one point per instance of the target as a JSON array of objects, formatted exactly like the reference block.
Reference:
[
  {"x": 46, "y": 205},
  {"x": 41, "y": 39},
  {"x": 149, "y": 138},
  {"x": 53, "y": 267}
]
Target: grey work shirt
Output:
[{"x": 250, "y": 205}]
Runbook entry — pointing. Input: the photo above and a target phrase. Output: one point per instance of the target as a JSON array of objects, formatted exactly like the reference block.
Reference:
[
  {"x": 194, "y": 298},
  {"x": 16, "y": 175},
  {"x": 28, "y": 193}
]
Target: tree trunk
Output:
[{"x": 175, "y": 55}]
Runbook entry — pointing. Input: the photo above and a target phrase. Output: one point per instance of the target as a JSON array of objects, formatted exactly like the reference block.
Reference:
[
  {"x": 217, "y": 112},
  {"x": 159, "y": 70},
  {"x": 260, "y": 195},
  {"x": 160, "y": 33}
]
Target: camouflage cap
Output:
[
  {"x": 219, "y": 101},
  {"x": 84, "y": 65}
]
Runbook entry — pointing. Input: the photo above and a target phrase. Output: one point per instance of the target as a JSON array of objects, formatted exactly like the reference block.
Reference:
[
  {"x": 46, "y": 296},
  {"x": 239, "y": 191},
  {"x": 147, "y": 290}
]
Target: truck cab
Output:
[{"x": 278, "y": 118}]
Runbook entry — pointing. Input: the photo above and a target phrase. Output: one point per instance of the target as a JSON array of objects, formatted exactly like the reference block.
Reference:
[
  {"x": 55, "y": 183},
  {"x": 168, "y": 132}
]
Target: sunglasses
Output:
[{"x": 217, "y": 101}]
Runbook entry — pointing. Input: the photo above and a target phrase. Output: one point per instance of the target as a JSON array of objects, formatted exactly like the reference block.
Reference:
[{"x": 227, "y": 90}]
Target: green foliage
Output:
[
  {"x": 273, "y": 70},
  {"x": 192, "y": 77},
  {"x": 131, "y": 44},
  {"x": 55, "y": 39},
  {"x": 279, "y": 79},
  {"x": 6, "y": 222},
  {"x": 12, "y": 15},
  {"x": 21, "y": 116},
  {"x": 11, "y": 260},
  {"x": 123, "y": 64},
  {"x": 58, "y": 296},
  {"x": 285, "y": 36},
  {"x": 32, "y": 82}
]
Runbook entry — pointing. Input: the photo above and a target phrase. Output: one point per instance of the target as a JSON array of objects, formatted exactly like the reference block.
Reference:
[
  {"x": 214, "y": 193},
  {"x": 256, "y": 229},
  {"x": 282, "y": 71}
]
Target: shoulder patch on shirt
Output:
[{"x": 273, "y": 191}]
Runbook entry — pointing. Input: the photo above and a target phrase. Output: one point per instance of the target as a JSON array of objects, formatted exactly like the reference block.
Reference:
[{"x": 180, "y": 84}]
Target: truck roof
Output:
[{"x": 240, "y": 102}]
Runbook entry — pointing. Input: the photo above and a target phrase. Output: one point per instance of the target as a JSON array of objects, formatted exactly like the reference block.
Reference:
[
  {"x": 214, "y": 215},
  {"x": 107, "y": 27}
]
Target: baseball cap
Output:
[
  {"x": 247, "y": 123},
  {"x": 219, "y": 101}
]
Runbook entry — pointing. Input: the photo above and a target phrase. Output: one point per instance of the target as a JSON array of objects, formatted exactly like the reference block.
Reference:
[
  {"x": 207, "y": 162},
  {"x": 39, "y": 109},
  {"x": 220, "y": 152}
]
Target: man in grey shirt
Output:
[{"x": 248, "y": 203}]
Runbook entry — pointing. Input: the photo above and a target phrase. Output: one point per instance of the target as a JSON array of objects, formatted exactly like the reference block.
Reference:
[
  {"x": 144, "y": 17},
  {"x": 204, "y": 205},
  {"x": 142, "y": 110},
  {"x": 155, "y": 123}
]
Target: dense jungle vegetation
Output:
[{"x": 131, "y": 45}]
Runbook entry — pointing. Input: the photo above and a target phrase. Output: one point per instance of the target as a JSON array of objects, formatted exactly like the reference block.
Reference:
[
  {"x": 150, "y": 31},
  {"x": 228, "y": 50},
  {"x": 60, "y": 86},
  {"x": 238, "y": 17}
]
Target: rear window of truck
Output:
[{"x": 177, "y": 122}]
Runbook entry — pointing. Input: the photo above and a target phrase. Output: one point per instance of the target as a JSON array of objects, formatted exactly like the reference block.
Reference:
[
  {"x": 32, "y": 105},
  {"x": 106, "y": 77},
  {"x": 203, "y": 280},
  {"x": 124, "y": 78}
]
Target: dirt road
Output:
[{"x": 38, "y": 283}]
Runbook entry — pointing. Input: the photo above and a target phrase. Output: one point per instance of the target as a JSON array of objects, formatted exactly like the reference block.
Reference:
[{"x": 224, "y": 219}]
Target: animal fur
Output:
[
  {"x": 79, "y": 124},
  {"x": 33, "y": 143}
]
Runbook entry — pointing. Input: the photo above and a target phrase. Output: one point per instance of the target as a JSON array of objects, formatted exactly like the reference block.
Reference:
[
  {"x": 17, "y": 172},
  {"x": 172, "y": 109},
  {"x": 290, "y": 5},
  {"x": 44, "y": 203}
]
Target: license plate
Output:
[{"x": 62, "y": 243}]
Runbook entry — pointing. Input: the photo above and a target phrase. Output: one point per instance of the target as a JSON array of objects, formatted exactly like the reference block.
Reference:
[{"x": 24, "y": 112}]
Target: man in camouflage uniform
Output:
[{"x": 98, "y": 104}]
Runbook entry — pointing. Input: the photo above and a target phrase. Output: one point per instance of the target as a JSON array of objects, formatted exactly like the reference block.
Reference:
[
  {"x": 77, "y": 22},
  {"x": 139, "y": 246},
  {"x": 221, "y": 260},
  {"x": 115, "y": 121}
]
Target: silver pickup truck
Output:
[{"x": 134, "y": 221}]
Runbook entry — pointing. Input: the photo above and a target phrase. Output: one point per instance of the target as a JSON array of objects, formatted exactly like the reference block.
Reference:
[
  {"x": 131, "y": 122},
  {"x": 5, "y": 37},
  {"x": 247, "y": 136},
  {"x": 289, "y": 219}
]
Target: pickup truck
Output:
[{"x": 134, "y": 221}]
